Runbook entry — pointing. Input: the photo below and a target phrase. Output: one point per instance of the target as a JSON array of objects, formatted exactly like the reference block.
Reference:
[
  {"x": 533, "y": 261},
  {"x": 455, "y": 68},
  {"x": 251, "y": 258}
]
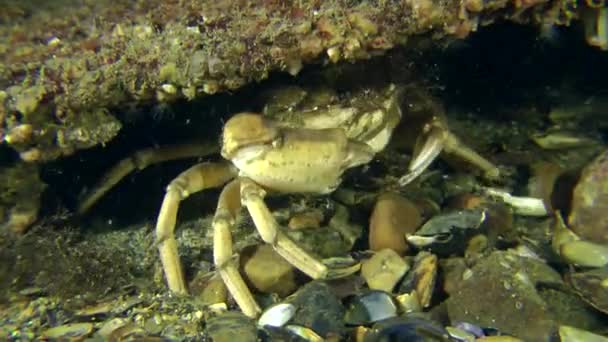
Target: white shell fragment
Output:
[
  {"x": 525, "y": 206},
  {"x": 305, "y": 333},
  {"x": 561, "y": 140},
  {"x": 277, "y": 315}
]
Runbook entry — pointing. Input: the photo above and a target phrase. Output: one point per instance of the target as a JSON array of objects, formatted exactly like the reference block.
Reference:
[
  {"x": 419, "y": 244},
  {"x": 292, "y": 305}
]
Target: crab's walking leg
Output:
[
  {"x": 225, "y": 215},
  {"x": 252, "y": 196},
  {"x": 197, "y": 178},
  {"x": 456, "y": 147},
  {"x": 439, "y": 139},
  {"x": 140, "y": 160}
]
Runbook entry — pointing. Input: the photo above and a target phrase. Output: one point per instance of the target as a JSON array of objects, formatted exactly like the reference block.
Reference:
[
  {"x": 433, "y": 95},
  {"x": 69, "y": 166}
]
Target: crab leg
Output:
[
  {"x": 441, "y": 139},
  {"x": 437, "y": 135},
  {"x": 197, "y": 178},
  {"x": 225, "y": 215},
  {"x": 252, "y": 196},
  {"x": 140, "y": 160},
  {"x": 456, "y": 147}
]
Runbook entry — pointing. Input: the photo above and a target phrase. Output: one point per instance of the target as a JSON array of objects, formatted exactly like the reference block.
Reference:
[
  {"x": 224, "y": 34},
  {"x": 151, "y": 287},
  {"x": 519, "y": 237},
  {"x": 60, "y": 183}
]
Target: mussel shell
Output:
[
  {"x": 421, "y": 278},
  {"x": 277, "y": 315},
  {"x": 448, "y": 233},
  {"x": 369, "y": 307},
  {"x": 410, "y": 329}
]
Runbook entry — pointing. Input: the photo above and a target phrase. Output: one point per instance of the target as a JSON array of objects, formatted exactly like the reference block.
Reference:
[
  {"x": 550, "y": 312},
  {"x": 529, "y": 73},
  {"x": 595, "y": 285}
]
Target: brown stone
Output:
[
  {"x": 267, "y": 271},
  {"x": 393, "y": 217},
  {"x": 590, "y": 202}
]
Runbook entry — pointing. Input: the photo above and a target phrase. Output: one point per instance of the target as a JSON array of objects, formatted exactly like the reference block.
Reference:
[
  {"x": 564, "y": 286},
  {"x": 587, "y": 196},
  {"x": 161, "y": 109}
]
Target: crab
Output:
[{"x": 292, "y": 150}]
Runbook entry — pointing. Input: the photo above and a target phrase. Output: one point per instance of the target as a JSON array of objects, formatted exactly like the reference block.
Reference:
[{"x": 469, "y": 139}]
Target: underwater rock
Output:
[
  {"x": 215, "y": 291},
  {"x": 592, "y": 287},
  {"x": 318, "y": 308},
  {"x": 166, "y": 51},
  {"x": 452, "y": 272},
  {"x": 383, "y": 270},
  {"x": 500, "y": 292},
  {"x": 267, "y": 271},
  {"x": 590, "y": 202},
  {"x": 20, "y": 194},
  {"x": 308, "y": 219},
  {"x": 393, "y": 217},
  {"x": 231, "y": 326}
]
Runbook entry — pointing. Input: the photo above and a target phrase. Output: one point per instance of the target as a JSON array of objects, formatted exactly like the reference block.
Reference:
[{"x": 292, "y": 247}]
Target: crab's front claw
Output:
[
  {"x": 438, "y": 139},
  {"x": 426, "y": 152}
]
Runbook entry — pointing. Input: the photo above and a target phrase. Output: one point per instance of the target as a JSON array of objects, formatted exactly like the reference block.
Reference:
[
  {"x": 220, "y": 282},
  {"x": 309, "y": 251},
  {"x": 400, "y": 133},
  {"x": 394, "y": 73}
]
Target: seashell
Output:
[
  {"x": 448, "y": 233},
  {"x": 108, "y": 328},
  {"x": 500, "y": 339},
  {"x": 562, "y": 140},
  {"x": 409, "y": 302},
  {"x": 421, "y": 278},
  {"x": 72, "y": 330},
  {"x": 584, "y": 253},
  {"x": 525, "y": 206},
  {"x": 98, "y": 309},
  {"x": 277, "y": 315},
  {"x": 370, "y": 307},
  {"x": 407, "y": 329},
  {"x": 305, "y": 333},
  {"x": 472, "y": 329},
  {"x": 568, "y": 333},
  {"x": 460, "y": 334}
]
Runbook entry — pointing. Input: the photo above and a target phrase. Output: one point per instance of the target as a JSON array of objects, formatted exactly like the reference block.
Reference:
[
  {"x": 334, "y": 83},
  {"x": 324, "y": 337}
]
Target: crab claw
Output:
[
  {"x": 439, "y": 139},
  {"x": 426, "y": 154}
]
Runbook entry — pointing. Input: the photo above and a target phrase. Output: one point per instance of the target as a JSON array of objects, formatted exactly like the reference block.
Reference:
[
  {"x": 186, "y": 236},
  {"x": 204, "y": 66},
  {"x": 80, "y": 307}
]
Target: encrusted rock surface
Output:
[{"x": 66, "y": 67}]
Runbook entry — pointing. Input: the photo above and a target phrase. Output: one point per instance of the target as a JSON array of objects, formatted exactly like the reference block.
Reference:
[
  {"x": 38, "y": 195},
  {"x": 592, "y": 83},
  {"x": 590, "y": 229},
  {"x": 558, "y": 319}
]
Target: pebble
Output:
[
  {"x": 306, "y": 220},
  {"x": 268, "y": 272},
  {"x": 383, "y": 270},
  {"x": 392, "y": 219}
]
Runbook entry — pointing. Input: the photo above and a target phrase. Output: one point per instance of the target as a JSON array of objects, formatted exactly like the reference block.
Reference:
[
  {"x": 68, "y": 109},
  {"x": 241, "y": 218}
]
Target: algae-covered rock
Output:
[
  {"x": 20, "y": 192},
  {"x": 63, "y": 62},
  {"x": 590, "y": 202},
  {"x": 501, "y": 287}
]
